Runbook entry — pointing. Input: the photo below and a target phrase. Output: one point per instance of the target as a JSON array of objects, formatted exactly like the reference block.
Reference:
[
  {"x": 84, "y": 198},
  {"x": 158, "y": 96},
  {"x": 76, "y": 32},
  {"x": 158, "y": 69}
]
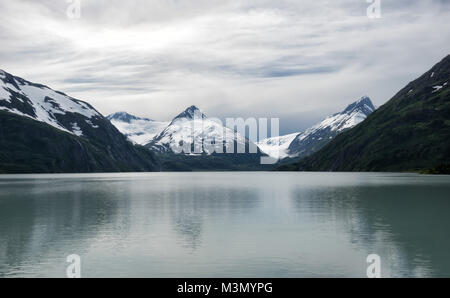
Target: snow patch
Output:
[
  {"x": 14, "y": 111},
  {"x": 46, "y": 103},
  {"x": 338, "y": 122},
  {"x": 76, "y": 129},
  {"x": 17, "y": 112},
  {"x": 5, "y": 95},
  {"x": 91, "y": 124},
  {"x": 194, "y": 127},
  {"x": 56, "y": 103},
  {"x": 334, "y": 124},
  {"x": 437, "y": 88}
]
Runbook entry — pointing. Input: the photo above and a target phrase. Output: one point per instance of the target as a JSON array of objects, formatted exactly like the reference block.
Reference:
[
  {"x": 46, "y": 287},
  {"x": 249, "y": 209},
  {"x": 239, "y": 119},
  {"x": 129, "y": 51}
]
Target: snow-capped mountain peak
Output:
[
  {"x": 364, "y": 104},
  {"x": 314, "y": 138},
  {"x": 125, "y": 117},
  {"x": 320, "y": 134},
  {"x": 40, "y": 103},
  {"x": 191, "y": 113},
  {"x": 47, "y": 131},
  {"x": 351, "y": 116},
  {"x": 193, "y": 127}
]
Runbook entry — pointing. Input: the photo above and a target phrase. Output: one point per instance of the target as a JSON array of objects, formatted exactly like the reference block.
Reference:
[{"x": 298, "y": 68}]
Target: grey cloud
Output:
[{"x": 297, "y": 60}]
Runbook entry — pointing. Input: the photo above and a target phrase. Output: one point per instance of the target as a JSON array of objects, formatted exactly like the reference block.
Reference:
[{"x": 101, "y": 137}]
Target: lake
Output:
[{"x": 239, "y": 224}]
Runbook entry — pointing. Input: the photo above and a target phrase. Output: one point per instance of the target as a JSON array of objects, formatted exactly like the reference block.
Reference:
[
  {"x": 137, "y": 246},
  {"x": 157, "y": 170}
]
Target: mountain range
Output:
[
  {"x": 189, "y": 131},
  {"x": 47, "y": 131},
  {"x": 410, "y": 132},
  {"x": 193, "y": 126}
]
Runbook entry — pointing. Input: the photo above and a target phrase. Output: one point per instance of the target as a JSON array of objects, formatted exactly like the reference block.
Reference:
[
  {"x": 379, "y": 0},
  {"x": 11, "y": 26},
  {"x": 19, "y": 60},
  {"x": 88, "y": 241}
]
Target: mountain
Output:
[
  {"x": 192, "y": 126},
  {"x": 187, "y": 134},
  {"x": 139, "y": 130},
  {"x": 300, "y": 145},
  {"x": 46, "y": 131},
  {"x": 313, "y": 139},
  {"x": 125, "y": 117},
  {"x": 411, "y": 132}
]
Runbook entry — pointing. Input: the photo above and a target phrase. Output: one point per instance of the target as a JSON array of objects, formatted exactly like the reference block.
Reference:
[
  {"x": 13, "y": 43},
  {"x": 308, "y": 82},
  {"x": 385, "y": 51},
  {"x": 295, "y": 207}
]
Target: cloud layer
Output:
[{"x": 297, "y": 60}]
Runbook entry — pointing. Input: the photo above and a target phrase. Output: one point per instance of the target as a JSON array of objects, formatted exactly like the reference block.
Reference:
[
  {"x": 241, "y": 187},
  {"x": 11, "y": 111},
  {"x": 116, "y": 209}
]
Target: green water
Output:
[{"x": 225, "y": 224}]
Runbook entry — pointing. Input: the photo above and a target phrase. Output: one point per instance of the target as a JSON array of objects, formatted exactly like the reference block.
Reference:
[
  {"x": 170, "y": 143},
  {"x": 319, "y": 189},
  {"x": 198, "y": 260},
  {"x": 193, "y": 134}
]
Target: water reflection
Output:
[
  {"x": 405, "y": 223},
  {"x": 192, "y": 204},
  {"x": 49, "y": 218},
  {"x": 224, "y": 224}
]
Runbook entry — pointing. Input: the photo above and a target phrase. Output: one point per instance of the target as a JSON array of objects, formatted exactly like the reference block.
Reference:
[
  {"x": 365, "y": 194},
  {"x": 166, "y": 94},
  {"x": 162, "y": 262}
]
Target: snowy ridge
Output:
[
  {"x": 43, "y": 104},
  {"x": 314, "y": 138},
  {"x": 139, "y": 130},
  {"x": 191, "y": 113},
  {"x": 351, "y": 116}
]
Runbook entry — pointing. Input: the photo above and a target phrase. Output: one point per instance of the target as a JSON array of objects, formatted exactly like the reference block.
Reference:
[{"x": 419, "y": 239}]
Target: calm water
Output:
[{"x": 225, "y": 224}]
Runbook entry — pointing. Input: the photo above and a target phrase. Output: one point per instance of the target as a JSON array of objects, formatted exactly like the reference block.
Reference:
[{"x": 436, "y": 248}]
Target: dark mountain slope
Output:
[
  {"x": 411, "y": 132},
  {"x": 28, "y": 146},
  {"x": 45, "y": 131}
]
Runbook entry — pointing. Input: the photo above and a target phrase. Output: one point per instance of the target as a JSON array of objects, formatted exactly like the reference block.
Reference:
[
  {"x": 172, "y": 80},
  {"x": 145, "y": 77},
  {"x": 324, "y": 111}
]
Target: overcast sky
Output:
[{"x": 292, "y": 59}]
